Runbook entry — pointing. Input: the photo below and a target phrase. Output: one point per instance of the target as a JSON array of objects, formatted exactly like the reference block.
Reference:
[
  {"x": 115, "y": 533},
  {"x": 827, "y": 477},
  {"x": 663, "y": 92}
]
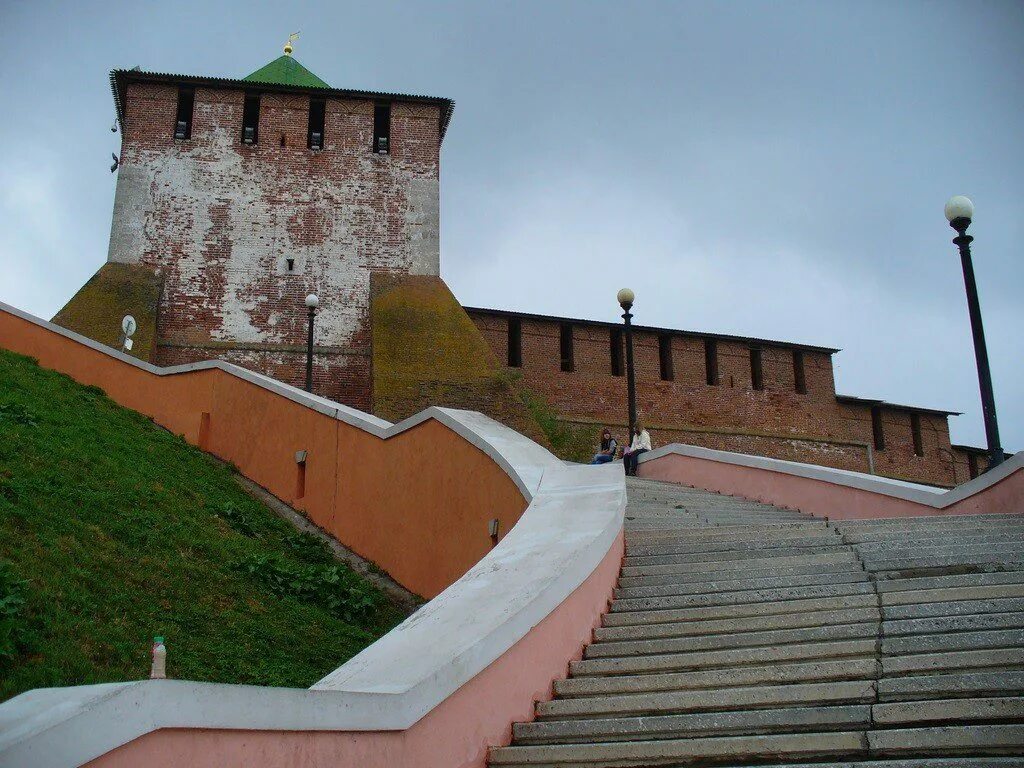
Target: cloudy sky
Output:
[{"x": 765, "y": 169}]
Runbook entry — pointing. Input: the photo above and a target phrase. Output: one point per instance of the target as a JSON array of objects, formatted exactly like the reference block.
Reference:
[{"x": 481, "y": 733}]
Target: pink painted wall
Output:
[
  {"x": 455, "y": 734},
  {"x": 821, "y": 498}
]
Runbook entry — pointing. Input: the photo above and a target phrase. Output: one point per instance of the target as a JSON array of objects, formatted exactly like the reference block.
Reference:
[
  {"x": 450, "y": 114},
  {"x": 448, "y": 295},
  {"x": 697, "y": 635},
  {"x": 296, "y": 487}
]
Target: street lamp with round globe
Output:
[
  {"x": 959, "y": 213},
  {"x": 625, "y": 298},
  {"x": 312, "y": 302}
]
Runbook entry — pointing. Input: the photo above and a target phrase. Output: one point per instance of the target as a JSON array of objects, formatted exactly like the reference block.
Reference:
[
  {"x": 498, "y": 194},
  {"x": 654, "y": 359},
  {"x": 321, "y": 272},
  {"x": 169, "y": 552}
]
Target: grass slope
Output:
[{"x": 113, "y": 530}]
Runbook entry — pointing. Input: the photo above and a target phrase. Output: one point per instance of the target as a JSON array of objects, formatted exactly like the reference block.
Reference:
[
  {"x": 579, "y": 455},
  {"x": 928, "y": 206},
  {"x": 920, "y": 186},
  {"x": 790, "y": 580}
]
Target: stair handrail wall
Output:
[
  {"x": 437, "y": 690},
  {"x": 834, "y": 493}
]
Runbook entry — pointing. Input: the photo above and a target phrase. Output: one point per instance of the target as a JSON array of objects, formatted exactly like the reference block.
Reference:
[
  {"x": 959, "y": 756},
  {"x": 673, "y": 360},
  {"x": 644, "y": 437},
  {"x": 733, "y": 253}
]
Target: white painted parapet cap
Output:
[{"x": 937, "y": 498}]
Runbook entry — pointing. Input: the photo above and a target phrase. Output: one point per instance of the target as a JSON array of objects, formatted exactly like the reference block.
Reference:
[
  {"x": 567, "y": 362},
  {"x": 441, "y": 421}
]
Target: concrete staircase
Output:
[{"x": 744, "y": 634}]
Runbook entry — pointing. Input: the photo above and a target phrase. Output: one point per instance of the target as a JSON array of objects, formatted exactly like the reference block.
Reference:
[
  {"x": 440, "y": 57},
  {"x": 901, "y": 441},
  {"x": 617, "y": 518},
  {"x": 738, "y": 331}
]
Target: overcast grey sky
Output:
[{"x": 765, "y": 169}]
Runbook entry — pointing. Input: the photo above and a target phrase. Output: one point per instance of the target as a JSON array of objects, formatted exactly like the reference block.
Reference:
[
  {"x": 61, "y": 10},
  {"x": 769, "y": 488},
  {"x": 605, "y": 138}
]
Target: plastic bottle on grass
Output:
[{"x": 159, "y": 669}]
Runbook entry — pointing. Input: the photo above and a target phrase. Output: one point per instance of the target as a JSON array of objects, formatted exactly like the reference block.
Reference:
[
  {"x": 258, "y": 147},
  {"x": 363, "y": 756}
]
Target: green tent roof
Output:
[{"x": 284, "y": 70}]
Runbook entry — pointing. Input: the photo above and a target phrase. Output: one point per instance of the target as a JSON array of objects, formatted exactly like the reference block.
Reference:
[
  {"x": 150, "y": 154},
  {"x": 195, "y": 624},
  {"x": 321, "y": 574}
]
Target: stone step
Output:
[
  {"x": 952, "y": 661},
  {"x": 712, "y": 700},
  {"x": 721, "y": 627},
  {"x": 741, "y": 584},
  {"x": 749, "y": 530},
  {"x": 955, "y": 641},
  {"x": 683, "y": 662},
  {"x": 928, "y": 544},
  {"x": 966, "y": 623},
  {"x": 993, "y": 709},
  {"x": 967, "y": 739},
  {"x": 952, "y": 594},
  {"x": 669, "y": 752},
  {"x": 953, "y": 608},
  {"x": 776, "y": 595},
  {"x": 722, "y": 556},
  {"x": 952, "y": 686},
  {"x": 895, "y": 584},
  {"x": 914, "y": 762},
  {"x": 746, "y": 573},
  {"x": 614, "y": 619},
  {"x": 704, "y": 724},
  {"x": 620, "y": 648},
  {"x": 682, "y": 547},
  {"x": 937, "y": 563},
  {"x": 840, "y": 556},
  {"x": 773, "y": 674},
  {"x": 906, "y": 523}
]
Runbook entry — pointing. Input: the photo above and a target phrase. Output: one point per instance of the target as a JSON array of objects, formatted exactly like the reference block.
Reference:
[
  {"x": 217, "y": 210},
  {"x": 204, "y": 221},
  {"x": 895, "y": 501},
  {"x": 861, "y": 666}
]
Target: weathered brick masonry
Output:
[
  {"x": 218, "y": 236},
  {"x": 219, "y": 219},
  {"x": 812, "y": 425}
]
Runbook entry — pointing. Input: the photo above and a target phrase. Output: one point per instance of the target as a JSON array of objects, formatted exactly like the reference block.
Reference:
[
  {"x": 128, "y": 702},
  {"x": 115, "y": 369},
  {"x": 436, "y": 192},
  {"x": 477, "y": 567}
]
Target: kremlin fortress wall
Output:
[{"x": 237, "y": 198}]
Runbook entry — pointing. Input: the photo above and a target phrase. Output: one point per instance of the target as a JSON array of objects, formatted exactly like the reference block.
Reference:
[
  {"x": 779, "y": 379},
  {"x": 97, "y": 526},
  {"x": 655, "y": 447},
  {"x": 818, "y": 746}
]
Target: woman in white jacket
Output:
[{"x": 641, "y": 442}]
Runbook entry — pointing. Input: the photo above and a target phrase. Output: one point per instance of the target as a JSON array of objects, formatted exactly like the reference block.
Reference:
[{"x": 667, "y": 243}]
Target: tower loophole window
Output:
[
  {"x": 251, "y": 119},
  {"x": 382, "y": 128},
  {"x": 565, "y": 347},
  {"x": 666, "y": 369},
  {"x": 799, "y": 374},
  {"x": 315, "y": 133},
  {"x": 615, "y": 341},
  {"x": 711, "y": 361},
  {"x": 877, "y": 432},
  {"x": 515, "y": 342},
  {"x": 756, "y": 369},
  {"x": 186, "y": 106}
]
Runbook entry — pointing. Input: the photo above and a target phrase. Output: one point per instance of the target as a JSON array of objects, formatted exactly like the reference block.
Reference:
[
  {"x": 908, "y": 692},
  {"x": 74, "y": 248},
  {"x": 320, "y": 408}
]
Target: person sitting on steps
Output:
[
  {"x": 641, "y": 443},
  {"x": 608, "y": 448}
]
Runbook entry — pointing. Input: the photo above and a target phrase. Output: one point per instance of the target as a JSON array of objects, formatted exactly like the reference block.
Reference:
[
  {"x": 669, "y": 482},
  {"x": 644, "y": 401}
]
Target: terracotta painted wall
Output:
[{"x": 417, "y": 504}]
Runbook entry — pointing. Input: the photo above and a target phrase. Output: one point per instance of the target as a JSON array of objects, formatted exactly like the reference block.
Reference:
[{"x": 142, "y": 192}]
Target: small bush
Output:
[
  {"x": 237, "y": 519},
  {"x": 13, "y": 629},
  {"x": 309, "y": 549},
  {"x": 333, "y": 587},
  {"x": 16, "y": 413}
]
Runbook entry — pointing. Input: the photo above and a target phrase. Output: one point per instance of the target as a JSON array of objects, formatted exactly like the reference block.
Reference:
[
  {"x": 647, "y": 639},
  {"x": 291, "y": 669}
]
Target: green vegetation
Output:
[
  {"x": 113, "y": 530},
  {"x": 568, "y": 441}
]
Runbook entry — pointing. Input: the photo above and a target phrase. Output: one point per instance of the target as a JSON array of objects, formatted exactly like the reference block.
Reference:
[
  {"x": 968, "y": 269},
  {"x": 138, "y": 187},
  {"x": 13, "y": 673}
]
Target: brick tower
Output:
[{"x": 239, "y": 197}]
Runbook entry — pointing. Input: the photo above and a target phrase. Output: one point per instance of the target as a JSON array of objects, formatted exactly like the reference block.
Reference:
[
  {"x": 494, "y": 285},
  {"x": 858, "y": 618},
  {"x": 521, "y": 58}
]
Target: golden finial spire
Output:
[{"x": 288, "y": 46}]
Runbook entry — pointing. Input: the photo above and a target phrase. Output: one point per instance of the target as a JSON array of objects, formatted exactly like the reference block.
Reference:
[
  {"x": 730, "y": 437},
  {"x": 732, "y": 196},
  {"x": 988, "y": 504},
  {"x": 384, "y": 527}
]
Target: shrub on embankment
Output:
[{"x": 113, "y": 530}]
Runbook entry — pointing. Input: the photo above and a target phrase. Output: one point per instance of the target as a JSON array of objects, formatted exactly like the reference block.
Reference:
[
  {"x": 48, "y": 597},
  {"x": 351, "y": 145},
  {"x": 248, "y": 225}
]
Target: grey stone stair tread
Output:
[
  {"x": 815, "y": 671},
  {"x": 956, "y": 641},
  {"x": 970, "y": 622},
  {"x": 913, "y": 762},
  {"x": 752, "y": 573},
  {"x": 778, "y": 594},
  {"x": 954, "y": 608},
  {"x": 922, "y": 663},
  {"x": 740, "y": 585},
  {"x": 950, "y": 581},
  {"x": 681, "y": 548},
  {"x": 840, "y": 556},
  {"x": 798, "y": 694},
  {"x": 911, "y": 597},
  {"x": 992, "y": 709},
  {"x": 955, "y": 685},
  {"x": 962, "y": 541},
  {"x": 671, "y": 751},
  {"x": 973, "y": 739},
  {"x": 721, "y": 627},
  {"x": 701, "y": 613},
  {"x": 725, "y": 658},
  {"x": 924, "y": 520},
  {"x": 946, "y": 561},
  {"x": 785, "y": 719},
  {"x": 721, "y": 556},
  {"x": 618, "y": 648}
]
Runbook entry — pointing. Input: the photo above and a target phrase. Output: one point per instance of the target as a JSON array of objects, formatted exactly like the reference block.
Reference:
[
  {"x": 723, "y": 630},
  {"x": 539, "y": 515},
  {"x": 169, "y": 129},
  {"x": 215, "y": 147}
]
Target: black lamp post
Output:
[
  {"x": 312, "y": 302},
  {"x": 625, "y": 297},
  {"x": 959, "y": 212}
]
